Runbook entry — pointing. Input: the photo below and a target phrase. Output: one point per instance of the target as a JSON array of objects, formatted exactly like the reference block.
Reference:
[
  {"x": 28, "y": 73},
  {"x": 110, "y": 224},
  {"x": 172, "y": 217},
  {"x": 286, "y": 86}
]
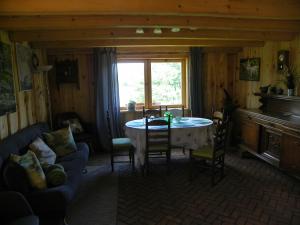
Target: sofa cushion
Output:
[
  {"x": 15, "y": 177},
  {"x": 61, "y": 141},
  {"x": 55, "y": 175},
  {"x": 42, "y": 151},
  {"x": 33, "y": 169},
  {"x": 76, "y": 160}
]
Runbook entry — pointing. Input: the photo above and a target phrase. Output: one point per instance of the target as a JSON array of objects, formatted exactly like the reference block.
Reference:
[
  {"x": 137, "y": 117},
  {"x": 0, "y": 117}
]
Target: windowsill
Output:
[{"x": 141, "y": 110}]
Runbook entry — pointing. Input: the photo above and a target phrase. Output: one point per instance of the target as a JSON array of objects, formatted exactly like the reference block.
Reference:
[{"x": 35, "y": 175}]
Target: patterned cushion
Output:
[
  {"x": 33, "y": 169},
  {"x": 42, "y": 151},
  {"x": 121, "y": 143},
  {"x": 75, "y": 125},
  {"x": 55, "y": 175},
  {"x": 206, "y": 152},
  {"x": 61, "y": 141}
]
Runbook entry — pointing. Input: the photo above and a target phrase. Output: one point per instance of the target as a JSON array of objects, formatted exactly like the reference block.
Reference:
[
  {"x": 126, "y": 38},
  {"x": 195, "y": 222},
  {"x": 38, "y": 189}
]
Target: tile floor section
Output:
[{"x": 252, "y": 193}]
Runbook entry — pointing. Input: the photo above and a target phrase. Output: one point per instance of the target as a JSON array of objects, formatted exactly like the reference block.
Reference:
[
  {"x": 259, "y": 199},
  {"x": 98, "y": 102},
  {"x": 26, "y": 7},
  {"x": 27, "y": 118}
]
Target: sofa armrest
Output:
[
  {"x": 13, "y": 205},
  {"x": 54, "y": 199}
]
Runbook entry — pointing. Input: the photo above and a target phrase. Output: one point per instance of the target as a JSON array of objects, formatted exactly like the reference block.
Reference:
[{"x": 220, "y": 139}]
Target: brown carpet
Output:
[
  {"x": 96, "y": 200},
  {"x": 251, "y": 193}
]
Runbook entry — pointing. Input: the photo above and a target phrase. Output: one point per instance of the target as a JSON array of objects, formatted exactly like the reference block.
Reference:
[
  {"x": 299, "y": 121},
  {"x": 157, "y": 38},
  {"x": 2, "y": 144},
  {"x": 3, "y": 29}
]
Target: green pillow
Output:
[
  {"x": 55, "y": 175},
  {"x": 42, "y": 151},
  {"x": 61, "y": 141},
  {"x": 33, "y": 169}
]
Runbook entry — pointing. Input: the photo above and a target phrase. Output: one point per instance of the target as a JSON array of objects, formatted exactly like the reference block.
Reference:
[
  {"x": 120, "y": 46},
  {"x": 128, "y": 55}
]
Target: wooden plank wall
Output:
[
  {"x": 31, "y": 104},
  {"x": 219, "y": 72},
  {"x": 268, "y": 74},
  {"x": 68, "y": 98}
]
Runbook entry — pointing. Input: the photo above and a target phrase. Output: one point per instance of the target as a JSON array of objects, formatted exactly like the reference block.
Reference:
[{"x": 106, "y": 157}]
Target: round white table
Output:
[{"x": 188, "y": 132}]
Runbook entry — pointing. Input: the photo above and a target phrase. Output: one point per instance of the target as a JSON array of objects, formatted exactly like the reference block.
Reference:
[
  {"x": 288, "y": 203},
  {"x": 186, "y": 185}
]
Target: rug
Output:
[{"x": 252, "y": 192}]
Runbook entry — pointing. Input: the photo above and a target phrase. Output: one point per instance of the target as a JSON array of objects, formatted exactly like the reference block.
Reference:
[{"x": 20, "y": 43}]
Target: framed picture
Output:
[
  {"x": 67, "y": 72},
  {"x": 7, "y": 90},
  {"x": 25, "y": 69},
  {"x": 250, "y": 69}
]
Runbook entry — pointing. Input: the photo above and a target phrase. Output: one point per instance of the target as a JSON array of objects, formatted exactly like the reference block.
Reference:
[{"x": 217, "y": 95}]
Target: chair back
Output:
[
  {"x": 176, "y": 112},
  {"x": 152, "y": 112},
  {"x": 158, "y": 136},
  {"x": 62, "y": 117},
  {"x": 220, "y": 138}
]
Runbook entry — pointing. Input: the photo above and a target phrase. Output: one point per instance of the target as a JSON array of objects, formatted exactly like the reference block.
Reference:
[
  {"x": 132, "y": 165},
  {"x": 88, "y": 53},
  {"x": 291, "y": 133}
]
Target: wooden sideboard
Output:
[{"x": 272, "y": 134}]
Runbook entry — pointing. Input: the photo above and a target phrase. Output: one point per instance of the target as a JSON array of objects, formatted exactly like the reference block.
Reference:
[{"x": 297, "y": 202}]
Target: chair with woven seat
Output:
[
  {"x": 214, "y": 153},
  {"x": 158, "y": 136},
  {"x": 152, "y": 112},
  {"x": 119, "y": 147}
]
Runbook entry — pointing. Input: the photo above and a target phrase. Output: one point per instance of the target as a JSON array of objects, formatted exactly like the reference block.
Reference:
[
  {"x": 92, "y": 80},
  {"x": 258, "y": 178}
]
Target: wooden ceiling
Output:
[{"x": 90, "y": 23}]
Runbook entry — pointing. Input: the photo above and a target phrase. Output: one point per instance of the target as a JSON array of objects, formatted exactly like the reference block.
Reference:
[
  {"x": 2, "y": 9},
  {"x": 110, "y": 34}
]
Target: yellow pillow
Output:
[{"x": 33, "y": 169}]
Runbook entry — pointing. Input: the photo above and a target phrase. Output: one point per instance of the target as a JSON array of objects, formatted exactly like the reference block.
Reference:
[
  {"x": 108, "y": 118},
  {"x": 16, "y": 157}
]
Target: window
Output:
[
  {"x": 152, "y": 82},
  {"x": 131, "y": 82}
]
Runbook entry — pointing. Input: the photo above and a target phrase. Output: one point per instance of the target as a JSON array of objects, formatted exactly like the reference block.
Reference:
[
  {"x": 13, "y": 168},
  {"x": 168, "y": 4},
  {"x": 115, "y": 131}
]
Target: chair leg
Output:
[
  {"x": 132, "y": 158},
  {"x": 191, "y": 166},
  {"x": 112, "y": 162},
  {"x": 223, "y": 165},
  {"x": 168, "y": 154},
  {"x": 213, "y": 172}
]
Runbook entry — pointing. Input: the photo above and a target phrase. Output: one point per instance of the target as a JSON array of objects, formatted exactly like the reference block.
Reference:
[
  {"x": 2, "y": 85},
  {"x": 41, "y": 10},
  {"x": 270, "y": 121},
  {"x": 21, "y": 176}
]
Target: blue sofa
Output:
[{"x": 51, "y": 202}]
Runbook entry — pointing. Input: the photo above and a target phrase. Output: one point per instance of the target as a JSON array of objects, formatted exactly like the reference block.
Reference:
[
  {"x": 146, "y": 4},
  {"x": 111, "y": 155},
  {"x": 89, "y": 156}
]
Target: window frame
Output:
[{"x": 148, "y": 82}]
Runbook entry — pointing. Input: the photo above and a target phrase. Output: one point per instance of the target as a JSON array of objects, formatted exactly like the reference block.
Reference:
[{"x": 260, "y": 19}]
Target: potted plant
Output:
[{"x": 290, "y": 79}]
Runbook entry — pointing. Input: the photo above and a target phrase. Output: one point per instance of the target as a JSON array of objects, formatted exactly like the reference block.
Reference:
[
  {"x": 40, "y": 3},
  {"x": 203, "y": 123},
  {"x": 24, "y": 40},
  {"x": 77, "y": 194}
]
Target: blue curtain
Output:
[
  {"x": 196, "y": 82},
  {"x": 107, "y": 94}
]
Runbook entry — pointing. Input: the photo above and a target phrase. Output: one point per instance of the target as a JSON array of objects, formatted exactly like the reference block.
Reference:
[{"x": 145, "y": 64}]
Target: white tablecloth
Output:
[{"x": 189, "y": 132}]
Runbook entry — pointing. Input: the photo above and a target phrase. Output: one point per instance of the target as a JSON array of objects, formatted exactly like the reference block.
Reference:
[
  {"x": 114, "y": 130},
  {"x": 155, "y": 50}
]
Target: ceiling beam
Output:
[
  {"x": 145, "y": 42},
  {"x": 11, "y": 23},
  {"x": 119, "y": 33},
  {"x": 287, "y": 9}
]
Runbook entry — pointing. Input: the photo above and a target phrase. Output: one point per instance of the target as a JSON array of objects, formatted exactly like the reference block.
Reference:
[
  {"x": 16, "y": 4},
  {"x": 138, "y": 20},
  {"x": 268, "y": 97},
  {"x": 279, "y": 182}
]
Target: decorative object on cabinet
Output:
[
  {"x": 290, "y": 79},
  {"x": 7, "y": 91},
  {"x": 250, "y": 69},
  {"x": 24, "y": 65},
  {"x": 282, "y": 59},
  {"x": 273, "y": 90},
  {"x": 264, "y": 89},
  {"x": 67, "y": 72}
]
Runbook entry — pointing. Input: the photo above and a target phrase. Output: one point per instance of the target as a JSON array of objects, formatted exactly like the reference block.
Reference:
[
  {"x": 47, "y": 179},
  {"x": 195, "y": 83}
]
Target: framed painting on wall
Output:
[
  {"x": 25, "y": 68},
  {"x": 7, "y": 90},
  {"x": 250, "y": 69}
]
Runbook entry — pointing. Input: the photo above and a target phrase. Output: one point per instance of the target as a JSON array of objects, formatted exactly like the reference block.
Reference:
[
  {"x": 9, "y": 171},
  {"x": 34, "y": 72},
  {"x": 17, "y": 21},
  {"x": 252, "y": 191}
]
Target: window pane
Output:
[
  {"x": 131, "y": 83},
  {"x": 166, "y": 83}
]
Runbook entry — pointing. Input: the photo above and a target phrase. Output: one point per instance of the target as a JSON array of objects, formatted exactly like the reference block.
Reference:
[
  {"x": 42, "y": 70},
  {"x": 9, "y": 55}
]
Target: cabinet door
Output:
[
  {"x": 250, "y": 134},
  {"x": 290, "y": 155}
]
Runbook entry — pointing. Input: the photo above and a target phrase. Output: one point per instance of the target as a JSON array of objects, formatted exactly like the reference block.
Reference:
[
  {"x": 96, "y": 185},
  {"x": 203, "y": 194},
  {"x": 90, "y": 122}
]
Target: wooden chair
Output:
[
  {"x": 152, "y": 112},
  {"x": 157, "y": 141},
  {"x": 215, "y": 154},
  {"x": 176, "y": 112},
  {"x": 119, "y": 147}
]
